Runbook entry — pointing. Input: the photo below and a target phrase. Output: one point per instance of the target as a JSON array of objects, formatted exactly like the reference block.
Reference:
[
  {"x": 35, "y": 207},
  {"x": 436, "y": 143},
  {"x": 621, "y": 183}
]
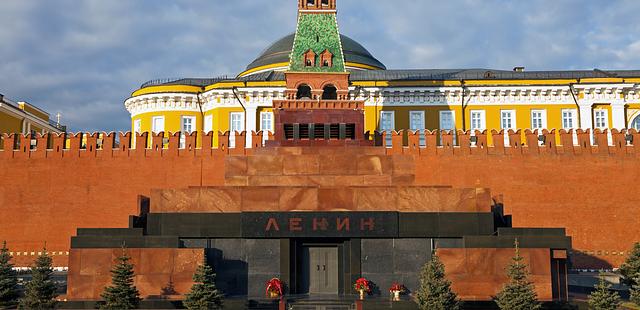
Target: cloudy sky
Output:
[{"x": 83, "y": 58}]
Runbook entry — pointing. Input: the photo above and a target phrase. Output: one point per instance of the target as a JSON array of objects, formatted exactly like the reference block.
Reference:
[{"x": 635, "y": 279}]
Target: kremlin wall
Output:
[{"x": 591, "y": 190}]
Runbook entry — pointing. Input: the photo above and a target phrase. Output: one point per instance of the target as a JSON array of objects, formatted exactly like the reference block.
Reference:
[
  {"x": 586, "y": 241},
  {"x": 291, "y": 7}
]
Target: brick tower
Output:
[{"x": 317, "y": 109}]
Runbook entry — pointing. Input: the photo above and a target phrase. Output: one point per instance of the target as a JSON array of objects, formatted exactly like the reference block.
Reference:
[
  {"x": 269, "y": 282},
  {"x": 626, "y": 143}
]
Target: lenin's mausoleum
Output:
[{"x": 319, "y": 166}]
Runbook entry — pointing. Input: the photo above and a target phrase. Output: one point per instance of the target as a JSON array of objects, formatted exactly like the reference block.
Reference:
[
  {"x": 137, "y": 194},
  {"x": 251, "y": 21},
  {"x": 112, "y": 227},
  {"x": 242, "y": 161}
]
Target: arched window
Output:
[
  {"x": 325, "y": 3},
  {"x": 330, "y": 93},
  {"x": 636, "y": 123},
  {"x": 304, "y": 92},
  {"x": 311, "y": 2}
]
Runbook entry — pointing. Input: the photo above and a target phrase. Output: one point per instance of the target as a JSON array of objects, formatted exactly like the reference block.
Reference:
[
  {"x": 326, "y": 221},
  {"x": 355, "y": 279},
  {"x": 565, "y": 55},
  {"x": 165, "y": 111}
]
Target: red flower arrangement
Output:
[
  {"x": 274, "y": 288},
  {"x": 396, "y": 287},
  {"x": 362, "y": 284}
]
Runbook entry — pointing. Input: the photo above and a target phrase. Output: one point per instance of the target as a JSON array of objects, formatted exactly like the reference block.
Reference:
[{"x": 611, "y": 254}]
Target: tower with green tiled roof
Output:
[{"x": 317, "y": 46}]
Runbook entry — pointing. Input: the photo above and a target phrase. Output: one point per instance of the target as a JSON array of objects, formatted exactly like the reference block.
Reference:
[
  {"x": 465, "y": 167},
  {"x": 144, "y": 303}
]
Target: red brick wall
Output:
[
  {"x": 160, "y": 273},
  {"x": 593, "y": 191}
]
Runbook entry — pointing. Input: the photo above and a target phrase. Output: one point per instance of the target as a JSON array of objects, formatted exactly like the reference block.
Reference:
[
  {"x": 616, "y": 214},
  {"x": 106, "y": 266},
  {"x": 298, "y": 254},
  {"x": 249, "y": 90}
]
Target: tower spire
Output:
[{"x": 317, "y": 46}]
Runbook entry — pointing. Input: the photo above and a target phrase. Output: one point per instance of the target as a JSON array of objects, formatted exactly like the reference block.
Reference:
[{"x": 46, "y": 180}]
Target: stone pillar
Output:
[
  {"x": 617, "y": 115},
  {"x": 586, "y": 116},
  {"x": 251, "y": 121}
]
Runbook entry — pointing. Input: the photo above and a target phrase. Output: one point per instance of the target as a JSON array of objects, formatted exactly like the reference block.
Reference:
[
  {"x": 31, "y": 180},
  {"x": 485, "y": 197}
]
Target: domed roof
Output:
[{"x": 280, "y": 51}]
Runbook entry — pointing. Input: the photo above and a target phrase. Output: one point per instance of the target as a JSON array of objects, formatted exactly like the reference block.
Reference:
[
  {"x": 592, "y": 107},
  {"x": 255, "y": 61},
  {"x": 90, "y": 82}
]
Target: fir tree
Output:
[
  {"x": 40, "y": 292},
  {"x": 204, "y": 294},
  {"x": 635, "y": 291},
  {"x": 631, "y": 267},
  {"x": 122, "y": 294},
  {"x": 519, "y": 293},
  {"x": 8, "y": 279},
  {"x": 603, "y": 298},
  {"x": 435, "y": 290}
]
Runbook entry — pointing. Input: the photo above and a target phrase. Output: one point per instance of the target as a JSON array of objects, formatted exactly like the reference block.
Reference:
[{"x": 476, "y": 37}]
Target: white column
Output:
[
  {"x": 251, "y": 124},
  {"x": 586, "y": 116},
  {"x": 617, "y": 115}
]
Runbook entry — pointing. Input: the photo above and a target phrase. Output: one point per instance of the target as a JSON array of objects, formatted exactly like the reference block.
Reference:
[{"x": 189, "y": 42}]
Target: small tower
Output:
[
  {"x": 318, "y": 109},
  {"x": 316, "y": 5}
]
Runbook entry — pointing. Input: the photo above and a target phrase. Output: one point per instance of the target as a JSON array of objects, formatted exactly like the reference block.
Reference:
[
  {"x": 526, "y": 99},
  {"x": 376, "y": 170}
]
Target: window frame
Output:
[
  {"x": 137, "y": 126},
  {"x": 388, "y": 141},
  {"x": 423, "y": 124},
  {"x": 393, "y": 121},
  {"x": 605, "y": 119},
  {"x": 154, "y": 128},
  {"x": 512, "y": 119},
  {"x": 543, "y": 119},
  {"x": 232, "y": 132},
  {"x": 192, "y": 124},
  {"x": 483, "y": 120},
  {"x": 635, "y": 120},
  {"x": 574, "y": 118}
]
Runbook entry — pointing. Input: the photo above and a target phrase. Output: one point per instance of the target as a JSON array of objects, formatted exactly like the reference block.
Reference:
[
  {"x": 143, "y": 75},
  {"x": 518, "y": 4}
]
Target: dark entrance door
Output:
[{"x": 322, "y": 269}]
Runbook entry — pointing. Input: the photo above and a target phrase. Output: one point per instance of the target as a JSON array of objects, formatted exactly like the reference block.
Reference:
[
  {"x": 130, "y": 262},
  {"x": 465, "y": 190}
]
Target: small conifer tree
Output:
[
  {"x": 435, "y": 290},
  {"x": 40, "y": 292},
  {"x": 8, "y": 279},
  {"x": 635, "y": 291},
  {"x": 631, "y": 267},
  {"x": 122, "y": 294},
  {"x": 204, "y": 294},
  {"x": 603, "y": 298},
  {"x": 519, "y": 293}
]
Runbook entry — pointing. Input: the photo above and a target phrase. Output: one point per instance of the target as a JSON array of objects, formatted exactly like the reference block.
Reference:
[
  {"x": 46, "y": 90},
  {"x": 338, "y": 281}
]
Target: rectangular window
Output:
[
  {"x": 266, "y": 121},
  {"x": 508, "y": 119},
  {"x": 601, "y": 118},
  {"x": 187, "y": 126},
  {"x": 236, "y": 124},
  {"x": 158, "y": 124},
  {"x": 137, "y": 126},
  {"x": 387, "y": 124},
  {"x": 538, "y": 119},
  {"x": 478, "y": 120},
  {"x": 448, "y": 122},
  {"x": 208, "y": 124},
  {"x": 416, "y": 120},
  {"x": 266, "y": 124},
  {"x": 417, "y": 123},
  {"x": 569, "y": 119}
]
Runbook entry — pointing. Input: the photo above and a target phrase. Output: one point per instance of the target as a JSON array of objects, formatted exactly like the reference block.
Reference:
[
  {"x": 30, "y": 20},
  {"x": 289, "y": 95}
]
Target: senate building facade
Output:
[{"x": 393, "y": 99}]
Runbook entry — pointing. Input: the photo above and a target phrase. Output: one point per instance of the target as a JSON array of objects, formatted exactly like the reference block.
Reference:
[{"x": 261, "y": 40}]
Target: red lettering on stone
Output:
[
  {"x": 272, "y": 224},
  {"x": 370, "y": 223},
  {"x": 320, "y": 224},
  {"x": 343, "y": 224},
  {"x": 295, "y": 224}
]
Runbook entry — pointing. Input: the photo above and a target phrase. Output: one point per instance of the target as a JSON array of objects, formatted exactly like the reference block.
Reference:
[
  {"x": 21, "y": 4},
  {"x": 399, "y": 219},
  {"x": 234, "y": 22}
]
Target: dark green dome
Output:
[{"x": 280, "y": 51}]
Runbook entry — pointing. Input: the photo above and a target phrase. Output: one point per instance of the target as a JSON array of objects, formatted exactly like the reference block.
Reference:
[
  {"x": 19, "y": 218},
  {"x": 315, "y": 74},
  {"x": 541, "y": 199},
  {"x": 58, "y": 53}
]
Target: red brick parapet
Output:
[{"x": 426, "y": 143}]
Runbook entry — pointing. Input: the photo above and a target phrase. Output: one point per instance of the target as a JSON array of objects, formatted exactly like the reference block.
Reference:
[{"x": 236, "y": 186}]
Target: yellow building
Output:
[
  {"x": 23, "y": 117},
  {"x": 467, "y": 99}
]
